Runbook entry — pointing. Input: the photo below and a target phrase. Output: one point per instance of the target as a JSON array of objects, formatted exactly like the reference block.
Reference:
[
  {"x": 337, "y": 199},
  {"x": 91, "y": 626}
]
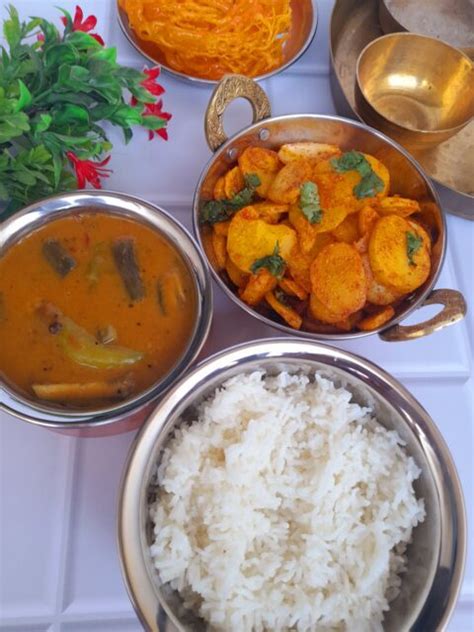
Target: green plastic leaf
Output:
[
  {"x": 12, "y": 28},
  {"x": 42, "y": 122},
  {"x": 82, "y": 41},
  {"x": 70, "y": 114},
  {"x": 274, "y": 263},
  {"x": 61, "y": 53},
  {"x": 310, "y": 204},
  {"x": 3, "y": 192},
  {"x": 13, "y": 125},
  {"x": 414, "y": 243},
  {"x": 25, "y": 97}
]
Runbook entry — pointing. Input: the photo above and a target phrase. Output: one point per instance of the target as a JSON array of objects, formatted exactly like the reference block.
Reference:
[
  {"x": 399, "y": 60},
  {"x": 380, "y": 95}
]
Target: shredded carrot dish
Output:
[{"x": 209, "y": 38}]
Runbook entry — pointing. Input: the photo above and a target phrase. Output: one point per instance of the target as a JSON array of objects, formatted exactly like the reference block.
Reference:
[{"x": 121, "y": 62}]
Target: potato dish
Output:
[{"x": 312, "y": 236}]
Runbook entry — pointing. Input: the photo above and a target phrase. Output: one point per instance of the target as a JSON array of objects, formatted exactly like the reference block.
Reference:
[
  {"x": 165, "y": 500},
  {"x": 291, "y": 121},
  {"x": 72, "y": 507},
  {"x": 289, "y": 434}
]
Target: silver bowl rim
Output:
[
  {"x": 141, "y": 459},
  {"x": 197, "y": 81},
  {"x": 285, "y": 328},
  {"x": 12, "y": 402}
]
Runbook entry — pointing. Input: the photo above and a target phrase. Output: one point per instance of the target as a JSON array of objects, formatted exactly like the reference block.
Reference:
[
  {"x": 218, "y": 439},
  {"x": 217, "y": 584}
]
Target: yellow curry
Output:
[{"x": 94, "y": 308}]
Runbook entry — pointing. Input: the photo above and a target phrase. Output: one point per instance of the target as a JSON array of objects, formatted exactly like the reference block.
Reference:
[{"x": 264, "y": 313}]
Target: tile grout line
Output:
[{"x": 70, "y": 495}]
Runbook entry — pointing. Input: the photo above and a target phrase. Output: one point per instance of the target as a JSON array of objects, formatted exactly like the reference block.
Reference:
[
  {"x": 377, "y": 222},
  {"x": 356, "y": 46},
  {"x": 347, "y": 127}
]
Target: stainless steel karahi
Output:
[
  {"x": 408, "y": 180},
  {"x": 302, "y": 32},
  {"x": 436, "y": 556},
  {"x": 126, "y": 415}
]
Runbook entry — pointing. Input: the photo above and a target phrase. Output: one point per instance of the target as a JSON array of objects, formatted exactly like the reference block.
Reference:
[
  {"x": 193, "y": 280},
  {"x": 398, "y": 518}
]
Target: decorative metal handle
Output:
[
  {"x": 227, "y": 90},
  {"x": 454, "y": 309}
]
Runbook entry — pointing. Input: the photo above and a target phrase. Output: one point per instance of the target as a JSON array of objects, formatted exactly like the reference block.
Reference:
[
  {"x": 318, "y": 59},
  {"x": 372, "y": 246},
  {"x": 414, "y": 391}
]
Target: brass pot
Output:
[
  {"x": 408, "y": 180},
  {"x": 131, "y": 413}
]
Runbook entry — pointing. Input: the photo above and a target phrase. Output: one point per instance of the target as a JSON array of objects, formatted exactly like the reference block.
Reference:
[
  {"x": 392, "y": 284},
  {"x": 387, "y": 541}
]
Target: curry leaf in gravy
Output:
[
  {"x": 58, "y": 257},
  {"x": 310, "y": 204},
  {"x": 274, "y": 263},
  {"x": 127, "y": 265},
  {"x": 414, "y": 243},
  {"x": 216, "y": 211}
]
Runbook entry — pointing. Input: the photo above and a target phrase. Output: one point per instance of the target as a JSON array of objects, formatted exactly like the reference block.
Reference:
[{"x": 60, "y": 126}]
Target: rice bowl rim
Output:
[{"x": 136, "y": 564}]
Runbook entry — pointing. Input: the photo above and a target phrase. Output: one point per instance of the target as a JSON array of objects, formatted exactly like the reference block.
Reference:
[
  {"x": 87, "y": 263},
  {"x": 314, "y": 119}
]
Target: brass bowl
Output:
[
  {"x": 452, "y": 22},
  {"x": 302, "y": 32},
  {"x": 417, "y": 89},
  {"x": 407, "y": 180}
]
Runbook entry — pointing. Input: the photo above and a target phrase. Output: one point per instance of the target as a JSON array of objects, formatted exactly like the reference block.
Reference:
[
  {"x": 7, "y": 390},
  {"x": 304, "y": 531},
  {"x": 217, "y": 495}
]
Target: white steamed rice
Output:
[{"x": 285, "y": 506}]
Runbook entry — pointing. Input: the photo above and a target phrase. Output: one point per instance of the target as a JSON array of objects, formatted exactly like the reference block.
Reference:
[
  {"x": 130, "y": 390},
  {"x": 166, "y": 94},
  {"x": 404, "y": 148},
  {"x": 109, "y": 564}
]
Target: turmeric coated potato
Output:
[
  {"x": 269, "y": 211},
  {"x": 347, "y": 230},
  {"x": 219, "y": 189},
  {"x": 307, "y": 150},
  {"x": 367, "y": 217},
  {"x": 251, "y": 239},
  {"x": 291, "y": 287},
  {"x": 262, "y": 162},
  {"x": 285, "y": 188},
  {"x": 233, "y": 182},
  {"x": 320, "y": 312},
  {"x": 236, "y": 275},
  {"x": 338, "y": 279},
  {"x": 398, "y": 206},
  {"x": 219, "y": 243},
  {"x": 376, "y": 320},
  {"x": 399, "y": 253},
  {"x": 299, "y": 262},
  {"x": 377, "y": 294},
  {"x": 257, "y": 286},
  {"x": 285, "y": 311}
]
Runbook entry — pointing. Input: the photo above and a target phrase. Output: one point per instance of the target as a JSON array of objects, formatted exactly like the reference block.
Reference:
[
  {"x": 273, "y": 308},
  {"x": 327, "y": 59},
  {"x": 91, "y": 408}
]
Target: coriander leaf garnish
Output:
[
  {"x": 414, "y": 243},
  {"x": 369, "y": 186},
  {"x": 216, "y": 211},
  {"x": 370, "y": 183},
  {"x": 310, "y": 204},
  {"x": 274, "y": 263},
  {"x": 349, "y": 161}
]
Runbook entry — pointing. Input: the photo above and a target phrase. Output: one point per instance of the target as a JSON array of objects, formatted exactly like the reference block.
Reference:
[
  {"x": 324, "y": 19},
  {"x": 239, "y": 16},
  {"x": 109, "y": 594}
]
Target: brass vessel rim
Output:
[{"x": 414, "y": 130}]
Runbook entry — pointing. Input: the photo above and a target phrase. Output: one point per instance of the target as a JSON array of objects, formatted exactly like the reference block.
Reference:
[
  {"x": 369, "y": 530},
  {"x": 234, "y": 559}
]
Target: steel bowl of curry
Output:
[
  {"x": 320, "y": 226},
  {"x": 105, "y": 300}
]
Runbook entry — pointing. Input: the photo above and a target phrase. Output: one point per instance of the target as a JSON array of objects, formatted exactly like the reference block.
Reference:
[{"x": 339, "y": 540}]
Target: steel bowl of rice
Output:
[{"x": 287, "y": 485}]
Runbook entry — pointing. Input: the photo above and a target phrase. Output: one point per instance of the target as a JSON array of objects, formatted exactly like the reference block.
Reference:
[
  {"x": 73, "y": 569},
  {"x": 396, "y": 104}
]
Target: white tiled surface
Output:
[{"x": 59, "y": 570}]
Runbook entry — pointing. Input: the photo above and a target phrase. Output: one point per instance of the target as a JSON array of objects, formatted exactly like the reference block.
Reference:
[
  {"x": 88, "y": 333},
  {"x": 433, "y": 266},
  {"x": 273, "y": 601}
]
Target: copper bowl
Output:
[
  {"x": 417, "y": 89},
  {"x": 302, "y": 32},
  {"x": 436, "y": 555},
  {"x": 130, "y": 413},
  {"x": 408, "y": 180}
]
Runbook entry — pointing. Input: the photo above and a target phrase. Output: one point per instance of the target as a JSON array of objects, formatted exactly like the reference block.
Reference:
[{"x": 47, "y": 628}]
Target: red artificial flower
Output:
[
  {"x": 154, "y": 109},
  {"x": 150, "y": 83},
  {"x": 85, "y": 26},
  {"x": 89, "y": 171}
]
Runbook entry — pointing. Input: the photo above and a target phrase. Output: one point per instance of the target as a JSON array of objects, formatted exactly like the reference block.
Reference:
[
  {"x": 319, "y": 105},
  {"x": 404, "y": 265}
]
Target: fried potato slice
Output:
[
  {"x": 299, "y": 262},
  {"x": 307, "y": 150},
  {"x": 307, "y": 232},
  {"x": 219, "y": 243},
  {"x": 268, "y": 211},
  {"x": 398, "y": 206},
  {"x": 389, "y": 254},
  {"x": 337, "y": 189},
  {"x": 376, "y": 320},
  {"x": 257, "y": 286},
  {"x": 263, "y": 162},
  {"x": 291, "y": 287},
  {"x": 219, "y": 189},
  {"x": 348, "y": 230},
  {"x": 285, "y": 188},
  {"x": 237, "y": 277},
  {"x": 252, "y": 239},
  {"x": 233, "y": 182},
  {"x": 221, "y": 228},
  {"x": 377, "y": 294},
  {"x": 338, "y": 279},
  {"x": 206, "y": 237},
  {"x": 285, "y": 311},
  {"x": 366, "y": 219},
  {"x": 320, "y": 312}
]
